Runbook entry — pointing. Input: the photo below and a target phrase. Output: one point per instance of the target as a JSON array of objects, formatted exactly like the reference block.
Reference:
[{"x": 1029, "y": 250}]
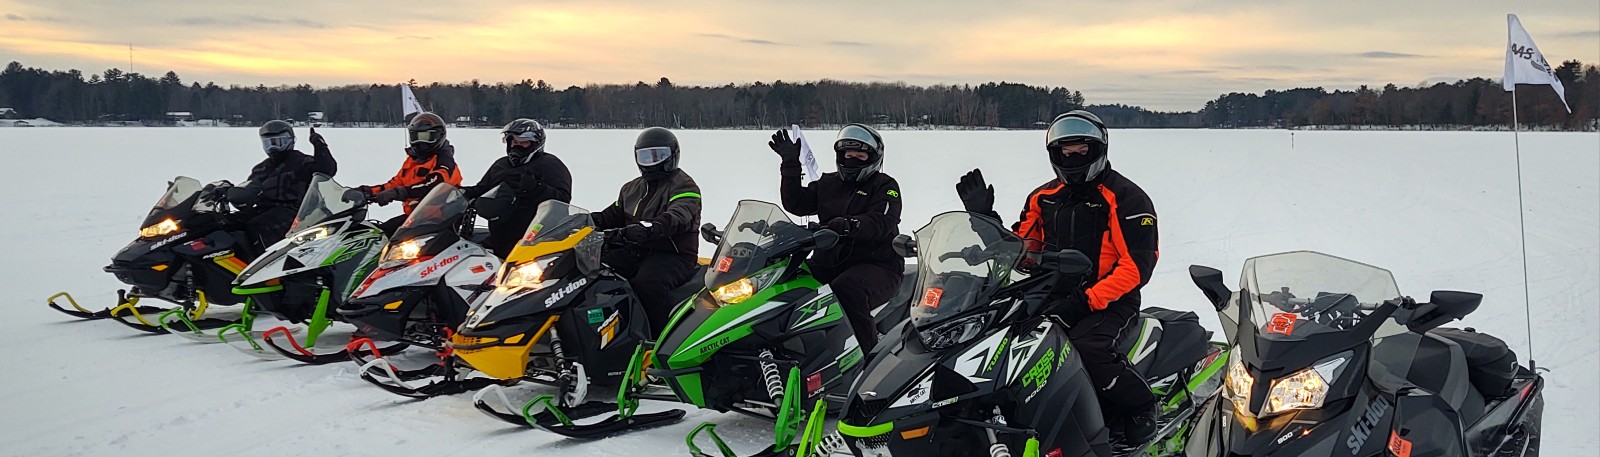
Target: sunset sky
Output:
[{"x": 1161, "y": 54}]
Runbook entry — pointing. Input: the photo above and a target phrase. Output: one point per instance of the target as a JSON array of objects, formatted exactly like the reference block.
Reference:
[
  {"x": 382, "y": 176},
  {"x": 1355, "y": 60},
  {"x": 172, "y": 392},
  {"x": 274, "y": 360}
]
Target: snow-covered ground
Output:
[{"x": 1439, "y": 209}]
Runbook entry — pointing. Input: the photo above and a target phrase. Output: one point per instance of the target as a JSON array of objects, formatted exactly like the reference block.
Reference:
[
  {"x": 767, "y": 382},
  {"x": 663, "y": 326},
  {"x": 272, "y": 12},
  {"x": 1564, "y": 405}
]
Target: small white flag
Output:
[
  {"x": 1525, "y": 64},
  {"x": 807, "y": 158},
  {"x": 408, "y": 100}
]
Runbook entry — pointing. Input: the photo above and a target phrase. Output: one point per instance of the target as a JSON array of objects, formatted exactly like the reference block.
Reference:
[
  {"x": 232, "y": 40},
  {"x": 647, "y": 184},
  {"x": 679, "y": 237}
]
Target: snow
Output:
[{"x": 1439, "y": 209}]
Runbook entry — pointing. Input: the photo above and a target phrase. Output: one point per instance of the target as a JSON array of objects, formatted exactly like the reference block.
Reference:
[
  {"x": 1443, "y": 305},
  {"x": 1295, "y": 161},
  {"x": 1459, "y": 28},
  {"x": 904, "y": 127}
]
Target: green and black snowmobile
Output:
[{"x": 764, "y": 338}]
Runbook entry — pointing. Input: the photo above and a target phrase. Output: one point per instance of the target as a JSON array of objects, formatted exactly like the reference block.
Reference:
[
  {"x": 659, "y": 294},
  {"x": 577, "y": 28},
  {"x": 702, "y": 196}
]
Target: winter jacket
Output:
[
  {"x": 874, "y": 203},
  {"x": 671, "y": 205},
  {"x": 282, "y": 178},
  {"x": 554, "y": 181},
  {"x": 417, "y": 177},
  {"x": 1111, "y": 220}
]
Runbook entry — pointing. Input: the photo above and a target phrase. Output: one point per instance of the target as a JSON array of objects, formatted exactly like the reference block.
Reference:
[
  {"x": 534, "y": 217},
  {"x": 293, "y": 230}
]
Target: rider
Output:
[
  {"x": 862, "y": 204},
  {"x": 659, "y": 214},
  {"x": 268, "y": 200},
  {"x": 530, "y": 176},
  {"x": 1091, "y": 208},
  {"x": 430, "y": 160}
]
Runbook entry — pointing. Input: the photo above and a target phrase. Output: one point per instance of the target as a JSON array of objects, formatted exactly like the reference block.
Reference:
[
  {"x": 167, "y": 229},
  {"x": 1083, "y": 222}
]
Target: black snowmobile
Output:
[
  {"x": 1332, "y": 360},
  {"x": 187, "y": 253},
  {"x": 980, "y": 369}
]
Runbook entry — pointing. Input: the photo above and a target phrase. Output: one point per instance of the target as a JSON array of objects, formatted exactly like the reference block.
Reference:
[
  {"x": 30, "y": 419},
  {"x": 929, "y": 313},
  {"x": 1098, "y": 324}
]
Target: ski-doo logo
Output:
[
  {"x": 1363, "y": 428},
  {"x": 440, "y": 265},
  {"x": 561, "y": 293},
  {"x": 169, "y": 240}
]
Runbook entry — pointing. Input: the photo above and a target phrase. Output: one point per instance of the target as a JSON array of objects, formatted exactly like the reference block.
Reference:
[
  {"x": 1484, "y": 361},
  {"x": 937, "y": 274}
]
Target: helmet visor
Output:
[
  {"x": 275, "y": 143},
  {"x": 425, "y": 136},
  {"x": 527, "y": 135},
  {"x": 853, "y": 138},
  {"x": 1073, "y": 129},
  {"x": 651, "y": 156}
]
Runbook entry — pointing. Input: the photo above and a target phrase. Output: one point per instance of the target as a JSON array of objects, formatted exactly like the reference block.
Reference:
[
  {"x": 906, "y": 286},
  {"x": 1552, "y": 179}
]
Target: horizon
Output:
[{"x": 1162, "y": 55}]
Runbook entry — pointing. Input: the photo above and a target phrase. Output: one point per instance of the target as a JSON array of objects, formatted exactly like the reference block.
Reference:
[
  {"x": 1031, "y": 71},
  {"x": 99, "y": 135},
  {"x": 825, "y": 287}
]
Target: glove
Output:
[
  {"x": 976, "y": 196},
  {"x": 1074, "y": 302},
  {"x": 787, "y": 148},
  {"x": 317, "y": 141},
  {"x": 637, "y": 234},
  {"x": 243, "y": 196},
  {"x": 356, "y": 195},
  {"x": 844, "y": 226},
  {"x": 216, "y": 192},
  {"x": 387, "y": 196}
]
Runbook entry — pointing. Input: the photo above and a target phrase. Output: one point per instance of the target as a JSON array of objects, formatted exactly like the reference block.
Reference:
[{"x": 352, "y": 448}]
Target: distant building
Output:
[
  {"x": 8, "y": 113},
  {"x": 314, "y": 116},
  {"x": 180, "y": 116}
]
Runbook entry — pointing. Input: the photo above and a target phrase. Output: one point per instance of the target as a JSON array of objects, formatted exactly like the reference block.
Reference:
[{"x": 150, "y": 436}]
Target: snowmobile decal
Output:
[
  {"x": 816, "y": 310},
  {"x": 1364, "y": 426},
  {"x": 971, "y": 364}
]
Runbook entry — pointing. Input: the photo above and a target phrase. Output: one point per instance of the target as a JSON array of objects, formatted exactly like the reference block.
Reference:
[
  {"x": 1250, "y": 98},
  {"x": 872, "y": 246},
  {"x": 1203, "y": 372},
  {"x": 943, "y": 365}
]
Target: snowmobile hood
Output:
[
  {"x": 696, "y": 332},
  {"x": 907, "y": 379},
  {"x": 324, "y": 245}
]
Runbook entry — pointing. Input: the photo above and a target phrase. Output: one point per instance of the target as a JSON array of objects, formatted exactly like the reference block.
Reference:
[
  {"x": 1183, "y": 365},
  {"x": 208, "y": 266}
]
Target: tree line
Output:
[{"x": 113, "y": 95}]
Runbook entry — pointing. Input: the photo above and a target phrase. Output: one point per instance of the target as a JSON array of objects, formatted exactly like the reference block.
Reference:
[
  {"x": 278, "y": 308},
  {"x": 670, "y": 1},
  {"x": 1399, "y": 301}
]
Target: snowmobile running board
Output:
[
  {"x": 395, "y": 381},
  {"x": 303, "y": 355}
]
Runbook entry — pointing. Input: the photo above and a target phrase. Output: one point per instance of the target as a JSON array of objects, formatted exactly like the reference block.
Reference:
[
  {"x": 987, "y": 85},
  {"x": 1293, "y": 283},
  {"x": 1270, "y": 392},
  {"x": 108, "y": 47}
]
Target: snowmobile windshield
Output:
[
  {"x": 324, "y": 199},
  {"x": 560, "y": 227},
  {"x": 962, "y": 258},
  {"x": 182, "y": 189},
  {"x": 438, "y": 211},
  {"x": 1295, "y": 295},
  {"x": 757, "y": 234}
]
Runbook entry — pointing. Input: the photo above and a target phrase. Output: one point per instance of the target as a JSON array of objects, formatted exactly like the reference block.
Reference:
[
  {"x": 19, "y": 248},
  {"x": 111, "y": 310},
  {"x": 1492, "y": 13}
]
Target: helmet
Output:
[
  {"x": 858, "y": 137},
  {"x": 523, "y": 129},
  {"x": 1077, "y": 127},
  {"x": 425, "y": 134},
  {"x": 656, "y": 152},
  {"x": 277, "y": 136}
]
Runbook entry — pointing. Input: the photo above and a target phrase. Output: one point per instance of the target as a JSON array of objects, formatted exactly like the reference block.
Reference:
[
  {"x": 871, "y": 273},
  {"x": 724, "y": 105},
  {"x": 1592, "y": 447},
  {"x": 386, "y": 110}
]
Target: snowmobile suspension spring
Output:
[
  {"x": 999, "y": 450},
  {"x": 769, "y": 373},
  {"x": 830, "y": 443}
]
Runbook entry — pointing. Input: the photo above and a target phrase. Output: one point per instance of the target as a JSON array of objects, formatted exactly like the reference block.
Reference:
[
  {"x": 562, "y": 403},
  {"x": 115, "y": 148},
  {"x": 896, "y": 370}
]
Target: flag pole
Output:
[{"x": 1527, "y": 303}]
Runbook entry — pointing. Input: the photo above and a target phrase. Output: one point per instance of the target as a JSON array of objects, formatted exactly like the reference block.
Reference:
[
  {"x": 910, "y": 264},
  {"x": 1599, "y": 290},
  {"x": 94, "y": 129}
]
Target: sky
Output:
[{"x": 1171, "y": 55}]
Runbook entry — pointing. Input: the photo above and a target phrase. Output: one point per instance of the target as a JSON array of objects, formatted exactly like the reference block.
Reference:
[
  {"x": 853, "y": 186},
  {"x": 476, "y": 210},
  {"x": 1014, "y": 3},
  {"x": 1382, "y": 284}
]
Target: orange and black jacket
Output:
[
  {"x": 1111, "y": 220},
  {"x": 417, "y": 177}
]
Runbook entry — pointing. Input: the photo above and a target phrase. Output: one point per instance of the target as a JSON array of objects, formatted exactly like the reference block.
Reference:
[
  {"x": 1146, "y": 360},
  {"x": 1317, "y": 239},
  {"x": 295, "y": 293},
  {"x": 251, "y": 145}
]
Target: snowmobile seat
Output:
[
  {"x": 1178, "y": 339},
  {"x": 895, "y": 310},
  {"x": 1491, "y": 365},
  {"x": 696, "y": 283},
  {"x": 1438, "y": 366}
]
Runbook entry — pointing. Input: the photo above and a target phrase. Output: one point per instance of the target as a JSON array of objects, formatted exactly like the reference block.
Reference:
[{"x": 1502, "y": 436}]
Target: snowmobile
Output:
[
  {"x": 764, "y": 338},
  {"x": 981, "y": 369},
  {"x": 303, "y": 278},
  {"x": 187, "y": 253},
  {"x": 432, "y": 268},
  {"x": 1333, "y": 360},
  {"x": 557, "y": 316}
]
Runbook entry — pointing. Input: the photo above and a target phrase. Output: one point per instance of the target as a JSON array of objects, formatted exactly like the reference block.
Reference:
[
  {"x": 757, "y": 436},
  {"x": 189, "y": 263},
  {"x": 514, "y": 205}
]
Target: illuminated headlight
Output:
[
  {"x": 528, "y": 275},
  {"x": 1303, "y": 390},
  {"x": 734, "y": 292},
  {"x": 312, "y": 234},
  {"x": 160, "y": 228},
  {"x": 400, "y": 253},
  {"x": 1239, "y": 383}
]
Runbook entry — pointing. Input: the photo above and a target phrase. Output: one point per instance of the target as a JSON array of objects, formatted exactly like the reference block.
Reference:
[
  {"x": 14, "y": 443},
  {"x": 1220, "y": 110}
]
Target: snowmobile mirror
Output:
[
  {"x": 904, "y": 245},
  {"x": 710, "y": 233},
  {"x": 824, "y": 239},
  {"x": 1210, "y": 282},
  {"x": 1068, "y": 261},
  {"x": 1442, "y": 307}
]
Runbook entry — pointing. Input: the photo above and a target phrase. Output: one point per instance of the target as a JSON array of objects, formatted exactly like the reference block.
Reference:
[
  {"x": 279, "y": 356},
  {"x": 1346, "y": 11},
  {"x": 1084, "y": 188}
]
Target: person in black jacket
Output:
[
  {"x": 659, "y": 217},
  {"x": 268, "y": 200},
  {"x": 862, "y": 204},
  {"x": 526, "y": 177},
  {"x": 1093, "y": 209}
]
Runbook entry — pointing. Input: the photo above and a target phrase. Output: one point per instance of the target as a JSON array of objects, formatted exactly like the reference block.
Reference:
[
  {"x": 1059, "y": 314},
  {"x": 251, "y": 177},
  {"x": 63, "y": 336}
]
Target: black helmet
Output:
[
  {"x": 1077, "y": 127},
  {"x": 277, "y": 136},
  {"x": 425, "y": 134},
  {"x": 656, "y": 152},
  {"x": 858, "y": 137},
  {"x": 523, "y": 129}
]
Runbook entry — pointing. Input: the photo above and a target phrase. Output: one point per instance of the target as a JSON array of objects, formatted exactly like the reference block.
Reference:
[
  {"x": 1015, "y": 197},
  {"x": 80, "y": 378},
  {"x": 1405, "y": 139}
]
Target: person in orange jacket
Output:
[
  {"x": 1093, "y": 209},
  {"x": 430, "y": 160}
]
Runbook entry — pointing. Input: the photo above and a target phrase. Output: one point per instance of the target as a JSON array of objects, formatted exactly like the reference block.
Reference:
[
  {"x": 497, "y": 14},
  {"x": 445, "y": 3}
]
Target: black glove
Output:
[
  {"x": 787, "y": 148},
  {"x": 844, "y": 226},
  {"x": 317, "y": 141},
  {"x": 976, "y": 196},
  {"x": 243, "y": 196},
  {"x": 356, "y": 195},
  {"x": 387, "y": 196},
  {"x": 1073, "y": 303},
  {"x": 216, "y": 192},
  {"x": 638, "y": 234}
]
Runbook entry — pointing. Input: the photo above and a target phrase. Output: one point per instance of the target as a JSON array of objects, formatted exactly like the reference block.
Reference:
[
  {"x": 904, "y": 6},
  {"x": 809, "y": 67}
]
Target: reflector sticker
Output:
[
  {"x": 930, "y": 297},
  {"x": 1398, "y": 446},
  {"x": 1282, "y": 323},
  {"x": 813, "y": 383},
  {"x": 724, "y": 264}
]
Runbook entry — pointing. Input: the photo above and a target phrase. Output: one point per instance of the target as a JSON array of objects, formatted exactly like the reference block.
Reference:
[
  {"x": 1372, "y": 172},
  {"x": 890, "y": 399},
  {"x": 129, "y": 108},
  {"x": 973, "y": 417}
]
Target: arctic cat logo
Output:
[
  {"x": 440, "y": 265},
  {"x": 715, "y": 345},
  {"x": 1363, "y": 428},
  {"x": 561, "y": 293}
]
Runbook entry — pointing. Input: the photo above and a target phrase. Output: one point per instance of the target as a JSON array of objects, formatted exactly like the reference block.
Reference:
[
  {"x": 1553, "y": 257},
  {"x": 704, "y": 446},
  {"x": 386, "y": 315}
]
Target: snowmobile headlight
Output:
[
  {"x": 1305, "y": 389},
  {"x": 399, "y": 253},
  {"x": 164, "y": 227},
  {"x": 1239, "y": 383},
  {"x": 952, "y": 333},
  {"x": 735, "y": 292},
  {"x": 528, "y": 275},
  {"x": 312, "y": 234}
]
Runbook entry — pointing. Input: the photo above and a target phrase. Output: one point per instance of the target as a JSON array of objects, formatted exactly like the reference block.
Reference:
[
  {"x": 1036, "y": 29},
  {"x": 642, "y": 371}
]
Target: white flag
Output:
[
  {"x": 1525, "y": 64},
  {"x": 408, "y": 100},
  {"x": 807, "y": 158}
]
